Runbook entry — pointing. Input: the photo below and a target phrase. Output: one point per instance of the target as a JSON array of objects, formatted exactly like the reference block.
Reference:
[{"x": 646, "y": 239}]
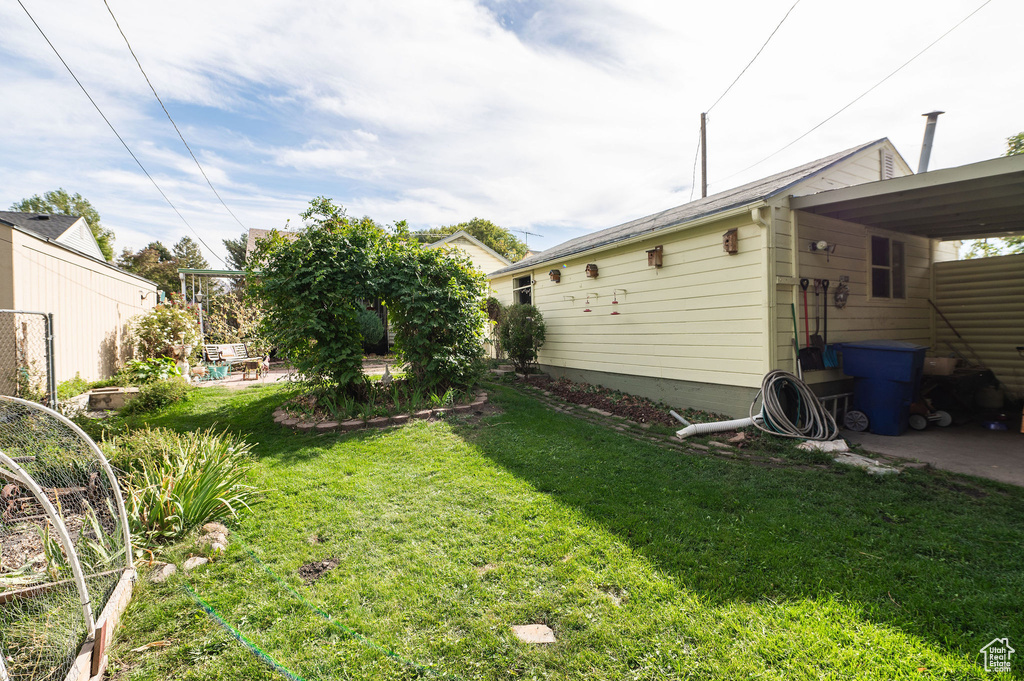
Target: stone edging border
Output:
[{"x": 297, "y": 424}]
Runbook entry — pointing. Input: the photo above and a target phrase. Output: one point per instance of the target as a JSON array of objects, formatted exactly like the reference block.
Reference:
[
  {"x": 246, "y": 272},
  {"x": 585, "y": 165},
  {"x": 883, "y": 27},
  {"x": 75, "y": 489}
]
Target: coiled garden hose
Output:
[{"x": 781, "y": 389}]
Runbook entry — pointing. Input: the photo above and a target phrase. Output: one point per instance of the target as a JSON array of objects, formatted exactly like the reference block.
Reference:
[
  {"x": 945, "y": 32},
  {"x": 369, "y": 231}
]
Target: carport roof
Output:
[{"x": 975, "y": 201}]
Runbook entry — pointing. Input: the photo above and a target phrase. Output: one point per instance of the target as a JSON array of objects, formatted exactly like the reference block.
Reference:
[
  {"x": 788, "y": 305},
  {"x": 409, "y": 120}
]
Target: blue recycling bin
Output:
[{"x": 887, "y": 377}]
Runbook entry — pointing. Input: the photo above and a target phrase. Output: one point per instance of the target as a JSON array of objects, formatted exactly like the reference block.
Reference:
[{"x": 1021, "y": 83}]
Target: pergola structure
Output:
[{"x": 198, "y": 283}]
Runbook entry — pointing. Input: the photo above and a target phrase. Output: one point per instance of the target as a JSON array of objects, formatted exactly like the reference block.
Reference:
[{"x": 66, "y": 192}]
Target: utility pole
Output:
[{"x": 703, "y": 155}]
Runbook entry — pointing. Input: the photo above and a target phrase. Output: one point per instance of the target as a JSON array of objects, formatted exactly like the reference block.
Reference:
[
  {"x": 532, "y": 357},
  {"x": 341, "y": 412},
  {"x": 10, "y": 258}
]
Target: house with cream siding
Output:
[
  {"x": 483, "y": 256},
  {"x": 694, "y": 305},
  {"x": 52, "y": 264}
]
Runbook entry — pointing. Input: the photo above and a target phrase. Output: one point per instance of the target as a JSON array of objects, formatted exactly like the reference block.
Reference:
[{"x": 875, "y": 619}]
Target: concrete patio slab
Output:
[{"x": 970, "y": 449}]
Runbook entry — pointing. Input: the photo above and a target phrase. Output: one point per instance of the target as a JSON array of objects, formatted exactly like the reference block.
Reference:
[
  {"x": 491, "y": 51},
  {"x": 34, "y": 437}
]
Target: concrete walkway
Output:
[
  {"x": 280, "y": 372},
  {"x": 971, "y": 449}
]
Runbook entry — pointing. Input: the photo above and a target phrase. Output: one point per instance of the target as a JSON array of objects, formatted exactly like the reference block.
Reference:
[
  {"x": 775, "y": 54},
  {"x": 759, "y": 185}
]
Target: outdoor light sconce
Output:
[
  {"x": 592, "y": 271},
  {"x": 654, "y": 256},
  {"x": 555, "y": 275},
  {"x": 731, "y": 242}
]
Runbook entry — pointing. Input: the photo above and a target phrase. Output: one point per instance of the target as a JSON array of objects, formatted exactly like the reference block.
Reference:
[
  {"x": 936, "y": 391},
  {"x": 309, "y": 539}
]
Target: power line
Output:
[
  {"x": 168, "y": 114},
  {"x": 863, "y": 94},
  {"x": 116, "y": 134},
  {"x": 693, "y": 178},
  {"x": 772, "y": 35}
]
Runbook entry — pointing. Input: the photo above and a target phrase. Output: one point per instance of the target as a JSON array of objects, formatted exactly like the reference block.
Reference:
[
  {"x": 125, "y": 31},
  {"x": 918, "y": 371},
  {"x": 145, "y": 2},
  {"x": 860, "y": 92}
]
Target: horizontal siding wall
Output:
[
  {"x": 700, "y": 317},
  {"x": 91, "y": 303},
  {"x": 863, "y": 318},
  {"x": 984, "y": 300}
]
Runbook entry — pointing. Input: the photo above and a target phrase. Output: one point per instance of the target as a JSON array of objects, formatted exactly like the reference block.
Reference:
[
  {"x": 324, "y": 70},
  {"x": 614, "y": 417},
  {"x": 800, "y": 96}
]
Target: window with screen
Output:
[
  {"x": 888, "y": 268},
  {"x": 522, "y": 290}
]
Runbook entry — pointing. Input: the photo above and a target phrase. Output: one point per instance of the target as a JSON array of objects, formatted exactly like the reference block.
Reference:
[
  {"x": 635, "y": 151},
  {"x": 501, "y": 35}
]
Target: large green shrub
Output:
[
  {"x": 310, "y": 289},
  {"x": 165, "y": 326},
  {"x": 521, "y": 334}
]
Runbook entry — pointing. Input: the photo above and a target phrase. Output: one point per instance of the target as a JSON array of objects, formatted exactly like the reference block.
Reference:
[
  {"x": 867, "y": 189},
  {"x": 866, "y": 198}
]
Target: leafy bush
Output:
[
  {"x": 142, "y": 371},
  {"x": 371, "y": 328},
  {"x": 165, "y": 326},
  {"x": 521, "y": 334},
  {"x": 157, "y": 395},
  {"x": 310, "y": 288},
  {"x": 71, "y": 387},
  {"x": 177, "y": 482}
]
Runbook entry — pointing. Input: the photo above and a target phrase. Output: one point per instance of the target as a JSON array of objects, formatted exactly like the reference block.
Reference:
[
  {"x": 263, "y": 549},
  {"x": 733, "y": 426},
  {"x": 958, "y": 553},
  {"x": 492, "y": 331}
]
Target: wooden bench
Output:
[{"x": 235, "y": 353}]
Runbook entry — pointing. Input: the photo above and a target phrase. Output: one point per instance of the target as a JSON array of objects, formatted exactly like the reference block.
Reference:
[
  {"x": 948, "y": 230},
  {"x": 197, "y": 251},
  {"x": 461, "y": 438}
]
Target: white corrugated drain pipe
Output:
[{"x": 719, "y": 427}]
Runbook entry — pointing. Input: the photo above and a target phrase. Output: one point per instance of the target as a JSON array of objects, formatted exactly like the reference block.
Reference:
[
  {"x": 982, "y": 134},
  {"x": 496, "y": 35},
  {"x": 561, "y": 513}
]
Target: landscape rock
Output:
[
  {"x": 377, "y": 422},
  {"x": 194, "y": 562},
  {"x": 400, "y": 419},
  {"x": 325, "y": 426},
  {"x": 423, "y": 414},
  {"x": 215, "y": 528},
  {"x": 534, "y": 633},
  {"x": 824, "y": 446},
  {"x": 352, "y": 424},
  {"x": 162, "y": 572},
  {"x": 872, "y": 466}
]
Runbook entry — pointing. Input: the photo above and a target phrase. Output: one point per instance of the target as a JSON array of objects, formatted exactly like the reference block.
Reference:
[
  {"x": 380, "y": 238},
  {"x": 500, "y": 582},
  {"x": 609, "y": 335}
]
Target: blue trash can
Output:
[{"x": 887, "y": 377}]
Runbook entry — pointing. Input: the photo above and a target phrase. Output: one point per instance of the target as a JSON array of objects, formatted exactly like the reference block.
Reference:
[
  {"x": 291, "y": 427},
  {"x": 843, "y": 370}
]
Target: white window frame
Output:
[{"x": 517, "y": 288}]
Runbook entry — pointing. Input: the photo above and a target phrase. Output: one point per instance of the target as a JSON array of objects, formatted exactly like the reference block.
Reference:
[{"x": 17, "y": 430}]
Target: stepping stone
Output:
[
  {"x": 400, "y": 419},
  {"x": 325, "y": 426},
  {"x": 161, "y": 572},
  {"x": 645, "y": 426},
  {"x": 194, "y": 562},
  {"x": 533, "y": 633},
  {"x": 695, "y": 445},
  {"x": 600, "y": 412},
  {"x": 720, "y": 445},
  {"x": 352, "y": 424},
  {"x": 280, "y": 412}
]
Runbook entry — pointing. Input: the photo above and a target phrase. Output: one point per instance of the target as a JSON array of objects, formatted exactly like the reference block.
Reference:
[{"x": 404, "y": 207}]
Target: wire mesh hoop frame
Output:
[
  {"x": 102, "y": 460},
  {"x": 16, "y": 471}
]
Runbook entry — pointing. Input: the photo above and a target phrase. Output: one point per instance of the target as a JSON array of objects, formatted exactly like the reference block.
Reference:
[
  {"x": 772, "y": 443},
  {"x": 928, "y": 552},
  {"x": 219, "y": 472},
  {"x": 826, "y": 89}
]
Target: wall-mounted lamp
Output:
[
  {"x": 555, "y": 275},
  {"x": 731, "y": 242},
  {"x": 592, "y": 271},
  {"x": 654, "y": 256},
  {"x": 160, "y": 296}
]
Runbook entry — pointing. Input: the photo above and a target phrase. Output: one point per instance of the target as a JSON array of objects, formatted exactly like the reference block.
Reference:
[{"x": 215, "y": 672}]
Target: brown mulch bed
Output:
[{"x": 632, "y": 407}]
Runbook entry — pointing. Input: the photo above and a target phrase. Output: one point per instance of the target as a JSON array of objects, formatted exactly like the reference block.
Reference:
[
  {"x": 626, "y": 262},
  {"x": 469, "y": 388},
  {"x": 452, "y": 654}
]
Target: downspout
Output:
[{"x": 770, "y": 288}]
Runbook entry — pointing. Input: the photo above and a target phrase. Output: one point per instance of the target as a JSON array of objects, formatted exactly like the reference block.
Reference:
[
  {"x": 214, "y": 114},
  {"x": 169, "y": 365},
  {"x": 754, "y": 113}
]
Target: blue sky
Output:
[{"x": 557, "y": 118}]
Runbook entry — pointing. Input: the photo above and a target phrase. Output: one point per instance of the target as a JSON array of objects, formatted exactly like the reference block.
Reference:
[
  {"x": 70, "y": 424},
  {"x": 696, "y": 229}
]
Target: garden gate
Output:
[{"x": 27, "y": 367}]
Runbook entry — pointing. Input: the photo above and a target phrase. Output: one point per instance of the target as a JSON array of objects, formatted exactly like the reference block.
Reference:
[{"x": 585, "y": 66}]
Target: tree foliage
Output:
[
  {"x": 494, "y": 237},
  {"x": 160, "y": 264},
  {"x": 59, "y": 202},
  {"x": 986, "y": 248},
  {"x": 236, "y": 251},
  {"x": 521, "y": 334},
  {"x": 311, "y": 290}
]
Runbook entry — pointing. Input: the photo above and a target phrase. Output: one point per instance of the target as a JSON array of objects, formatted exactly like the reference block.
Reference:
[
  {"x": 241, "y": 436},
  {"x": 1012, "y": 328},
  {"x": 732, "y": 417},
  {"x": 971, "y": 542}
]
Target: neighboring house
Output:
[
  {"x": 52, "y": 264},
  {"x": 259, "y": 234},
  {"x": 693, "y": 305},
  {"x": 484, "y": 257}
]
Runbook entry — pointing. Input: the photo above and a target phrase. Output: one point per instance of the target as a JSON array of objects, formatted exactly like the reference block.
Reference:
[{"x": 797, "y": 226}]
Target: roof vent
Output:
[{"x": 42, "y": 217}]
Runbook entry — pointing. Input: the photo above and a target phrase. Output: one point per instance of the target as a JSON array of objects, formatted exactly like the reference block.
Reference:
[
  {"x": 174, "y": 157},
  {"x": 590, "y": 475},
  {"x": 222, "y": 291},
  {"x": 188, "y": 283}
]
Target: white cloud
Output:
[{"x": 557, "y": 118}]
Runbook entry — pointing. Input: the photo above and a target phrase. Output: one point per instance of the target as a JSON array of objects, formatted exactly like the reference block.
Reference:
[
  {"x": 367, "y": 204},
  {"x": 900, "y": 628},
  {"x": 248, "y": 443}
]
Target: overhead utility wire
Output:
[
  {"x": 693, "y": 178},
  {"x": 168, "y": 114},
  {"x": 862, "y": 95},
  {"x": 116, "y": 134}
]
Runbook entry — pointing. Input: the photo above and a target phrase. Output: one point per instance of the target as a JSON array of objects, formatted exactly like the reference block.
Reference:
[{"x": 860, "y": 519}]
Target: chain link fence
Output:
[{"x": 26, "y": 356}]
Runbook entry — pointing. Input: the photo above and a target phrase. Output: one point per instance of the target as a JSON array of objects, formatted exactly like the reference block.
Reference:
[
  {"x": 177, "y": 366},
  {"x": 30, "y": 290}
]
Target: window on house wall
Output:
[
  {"x": 888, "y": 268},
  {"x": 522, "y": 290}
]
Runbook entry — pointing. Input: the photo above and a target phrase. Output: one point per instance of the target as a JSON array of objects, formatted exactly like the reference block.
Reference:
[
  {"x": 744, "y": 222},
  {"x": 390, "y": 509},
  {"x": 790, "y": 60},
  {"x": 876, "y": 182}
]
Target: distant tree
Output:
[
  {"x": 985, "y": 248},
  {"x": 497, "y": 238},
  {"x": 187, "y": 254},
  {"x": 1015, "y": 144},
  {"x": 59, "y": 202},
  {"x": 236, "y": 251}
]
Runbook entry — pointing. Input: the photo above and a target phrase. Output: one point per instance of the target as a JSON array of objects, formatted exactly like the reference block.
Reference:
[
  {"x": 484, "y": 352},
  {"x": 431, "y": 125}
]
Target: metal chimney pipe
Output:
[{"x": 926, "y": 145}]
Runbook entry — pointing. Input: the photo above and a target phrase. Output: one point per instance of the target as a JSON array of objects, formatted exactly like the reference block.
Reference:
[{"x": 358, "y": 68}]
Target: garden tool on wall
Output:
[
  {"x": 816, "y": 340},
  {"x": 809, "y": 357},
  {"x": 828, "y": 353}
]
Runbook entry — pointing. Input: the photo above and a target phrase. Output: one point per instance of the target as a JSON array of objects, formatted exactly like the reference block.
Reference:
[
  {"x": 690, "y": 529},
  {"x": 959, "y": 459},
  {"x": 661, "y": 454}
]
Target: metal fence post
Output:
[{"x": 51, "y": 363}]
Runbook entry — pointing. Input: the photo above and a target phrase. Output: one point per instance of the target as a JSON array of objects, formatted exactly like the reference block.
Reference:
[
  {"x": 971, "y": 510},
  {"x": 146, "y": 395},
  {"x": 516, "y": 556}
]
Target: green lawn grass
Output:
[{"x": 722, "y": 569}]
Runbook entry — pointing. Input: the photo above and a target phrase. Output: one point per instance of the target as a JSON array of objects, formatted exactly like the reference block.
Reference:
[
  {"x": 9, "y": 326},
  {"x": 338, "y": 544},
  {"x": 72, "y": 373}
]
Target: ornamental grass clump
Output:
[{"x": 199, "y": 480}]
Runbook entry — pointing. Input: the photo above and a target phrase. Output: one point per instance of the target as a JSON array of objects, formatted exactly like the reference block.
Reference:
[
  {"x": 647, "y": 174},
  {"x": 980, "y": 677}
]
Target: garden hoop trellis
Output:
[{"x": 49, "y": 464}]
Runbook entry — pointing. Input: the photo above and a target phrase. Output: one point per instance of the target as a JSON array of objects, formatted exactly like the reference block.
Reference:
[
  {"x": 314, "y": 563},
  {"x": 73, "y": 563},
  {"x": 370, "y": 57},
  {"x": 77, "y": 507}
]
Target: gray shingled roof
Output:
[
  {"x": 40, "y": 224},
  {"x": 716, "y": 203}
]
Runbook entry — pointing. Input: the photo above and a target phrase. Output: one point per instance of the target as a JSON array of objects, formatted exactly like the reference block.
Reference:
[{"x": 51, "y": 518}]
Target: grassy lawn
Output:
[{"x": 646, "y": 563}]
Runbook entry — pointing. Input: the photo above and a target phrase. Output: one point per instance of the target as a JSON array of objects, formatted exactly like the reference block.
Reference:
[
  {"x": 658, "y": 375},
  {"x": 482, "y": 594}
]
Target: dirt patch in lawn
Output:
[{"x": 311, "y": 572}]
